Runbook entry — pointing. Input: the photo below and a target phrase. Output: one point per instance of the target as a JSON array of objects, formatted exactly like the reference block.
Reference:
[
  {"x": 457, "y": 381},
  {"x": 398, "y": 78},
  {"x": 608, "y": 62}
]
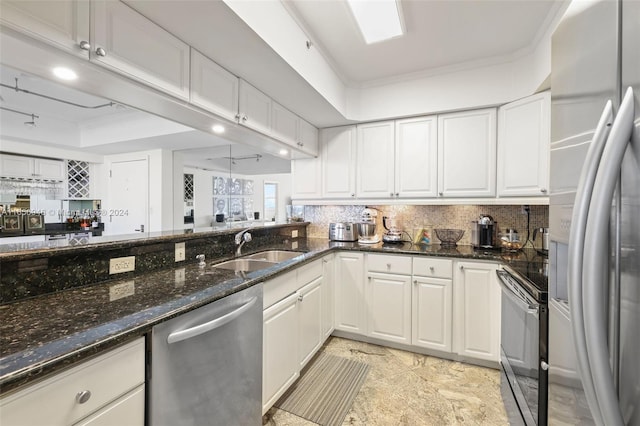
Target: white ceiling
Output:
[{"x": 438, "y": 34}]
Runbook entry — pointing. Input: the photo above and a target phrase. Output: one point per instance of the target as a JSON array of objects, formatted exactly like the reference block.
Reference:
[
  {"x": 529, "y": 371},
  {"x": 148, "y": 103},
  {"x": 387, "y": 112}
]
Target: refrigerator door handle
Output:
[
  {"x": 576, "y": 248},
  {"x": 595, "y": 269}
]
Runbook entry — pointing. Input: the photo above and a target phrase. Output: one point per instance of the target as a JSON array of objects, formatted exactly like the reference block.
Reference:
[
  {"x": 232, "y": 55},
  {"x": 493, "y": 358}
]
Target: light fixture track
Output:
[
  {"x": 20, "y": 112},
  {"x": 29, "y": 92}
]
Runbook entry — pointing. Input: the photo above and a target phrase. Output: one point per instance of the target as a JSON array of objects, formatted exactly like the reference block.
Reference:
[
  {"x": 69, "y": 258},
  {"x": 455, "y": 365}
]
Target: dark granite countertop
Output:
[{"x": 46, "y": 333}]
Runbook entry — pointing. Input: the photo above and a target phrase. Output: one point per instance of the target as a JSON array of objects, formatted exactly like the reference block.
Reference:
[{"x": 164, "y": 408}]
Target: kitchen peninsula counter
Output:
[{"x": 44, "y": 334}]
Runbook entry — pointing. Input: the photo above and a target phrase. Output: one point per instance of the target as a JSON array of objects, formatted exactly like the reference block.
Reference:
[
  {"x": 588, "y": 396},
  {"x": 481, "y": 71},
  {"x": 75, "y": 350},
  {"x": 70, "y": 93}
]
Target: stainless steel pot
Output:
[{"x": 545, "y": 237}]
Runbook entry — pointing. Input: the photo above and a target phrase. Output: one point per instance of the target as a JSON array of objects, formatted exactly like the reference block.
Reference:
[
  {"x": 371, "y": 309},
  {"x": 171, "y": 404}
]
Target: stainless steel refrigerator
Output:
[{"x": 594, "y": 217}]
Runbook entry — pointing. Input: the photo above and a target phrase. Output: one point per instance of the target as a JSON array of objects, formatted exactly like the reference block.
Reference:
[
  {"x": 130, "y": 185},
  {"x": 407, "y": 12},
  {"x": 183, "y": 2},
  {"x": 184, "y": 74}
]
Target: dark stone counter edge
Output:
[{"x": 96, "y": 344}]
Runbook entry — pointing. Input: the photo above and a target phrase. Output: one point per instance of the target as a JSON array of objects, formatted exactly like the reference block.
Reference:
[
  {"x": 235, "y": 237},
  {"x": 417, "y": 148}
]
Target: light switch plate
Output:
[
  {"x": 118, "y": 265},
  {"x": 180, "y": 252},
  {"x": 294, "y": 233},
  {"x": 179, "y": 275}
]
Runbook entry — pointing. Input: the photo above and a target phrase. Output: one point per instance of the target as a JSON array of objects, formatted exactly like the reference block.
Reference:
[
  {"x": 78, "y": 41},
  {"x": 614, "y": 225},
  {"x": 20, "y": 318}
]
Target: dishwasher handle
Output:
[{"x": 179, "y": 336}]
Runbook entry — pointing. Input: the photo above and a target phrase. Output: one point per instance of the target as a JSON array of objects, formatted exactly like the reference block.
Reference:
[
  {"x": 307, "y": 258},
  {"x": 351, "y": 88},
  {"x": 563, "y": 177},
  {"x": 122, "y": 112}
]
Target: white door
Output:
[
  {"x": 127, "y": 208},
  {"x": 416, "y": 157},
  {"x": 212, "y": 87},
  {"x": 308, "y": 137},
  {"x": 284, "y": 125},
  {"x": 388, "y": 303},
  {"x": 431, "y": 312},
  {"x": 375, "y": 164},
  {"x": 349, "y": 292},
  {"x": 309, "y": 320},
  {"x": 338, "y": 146},
  {"x": 254, "y": 108},
  {"x": 467, "y": 154},
  {"x": 328, "y": 264},
  {"x": 306, "y": 176}
]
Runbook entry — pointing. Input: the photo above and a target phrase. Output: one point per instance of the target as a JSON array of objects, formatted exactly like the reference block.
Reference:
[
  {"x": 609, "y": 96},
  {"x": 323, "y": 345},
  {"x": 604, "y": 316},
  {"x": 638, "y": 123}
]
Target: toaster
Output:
[{"x": 343, "y": 231}]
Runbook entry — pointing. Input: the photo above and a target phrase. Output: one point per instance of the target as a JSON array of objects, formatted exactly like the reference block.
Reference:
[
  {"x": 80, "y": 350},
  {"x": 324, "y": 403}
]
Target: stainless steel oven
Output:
[{"x": 524, "y": 337}]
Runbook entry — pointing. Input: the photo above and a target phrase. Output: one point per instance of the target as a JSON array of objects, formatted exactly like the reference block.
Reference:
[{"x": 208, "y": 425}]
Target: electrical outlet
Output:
[
  {"x": 294, "y": 233},
  {"x": 119, "y": 291},
  {"x": 179, "y": 277},
  {"x": 118, "y": 265},
  {"x": 294, "y": 245},
  {"x": 180, "y": 250}
]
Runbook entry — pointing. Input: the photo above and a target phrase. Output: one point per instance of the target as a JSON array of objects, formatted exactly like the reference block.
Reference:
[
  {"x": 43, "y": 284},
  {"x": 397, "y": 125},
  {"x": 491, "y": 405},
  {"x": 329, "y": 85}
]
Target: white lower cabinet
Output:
[
  {"x": 108, "y": 389},
  {"x": 432, "y": 305},
  {"x": 476, "y": 310},
  {"x": 349, "y": 292},
  {"x": 279, "y": 349},
  {"x": 328, "y": 273},
  {"x": 388, "y": 307},
  {"x": 292, "y": 328}
]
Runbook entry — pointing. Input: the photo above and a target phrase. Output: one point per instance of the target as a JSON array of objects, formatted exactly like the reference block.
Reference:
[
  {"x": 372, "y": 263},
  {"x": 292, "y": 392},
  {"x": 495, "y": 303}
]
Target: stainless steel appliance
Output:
[
  {"x": 343, "y": 231},
  {"x": 483, "y": 233},
  {"x": 594, "y": 215},
  {"x": 393, "y": 232},
  {"x": 367, "y": 227},
  {"x": 206, "y": 365},
  {"x": 523, "y": 342},
  {"x": 544, "y": 235}
]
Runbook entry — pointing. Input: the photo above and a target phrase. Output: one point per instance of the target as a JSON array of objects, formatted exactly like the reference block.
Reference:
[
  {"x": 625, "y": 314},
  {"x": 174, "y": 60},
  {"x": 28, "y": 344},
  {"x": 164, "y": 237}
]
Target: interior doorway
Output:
[{"x": 270, "y": 201}]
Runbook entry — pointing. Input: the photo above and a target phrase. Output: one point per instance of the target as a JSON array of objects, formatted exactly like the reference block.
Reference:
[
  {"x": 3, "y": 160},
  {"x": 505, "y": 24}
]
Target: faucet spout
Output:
[{"x": 241, "y": 238}]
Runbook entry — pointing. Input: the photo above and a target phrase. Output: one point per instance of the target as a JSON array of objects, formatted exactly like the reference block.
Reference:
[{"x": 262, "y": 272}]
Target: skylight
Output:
[{"x": 378, "y": 20}]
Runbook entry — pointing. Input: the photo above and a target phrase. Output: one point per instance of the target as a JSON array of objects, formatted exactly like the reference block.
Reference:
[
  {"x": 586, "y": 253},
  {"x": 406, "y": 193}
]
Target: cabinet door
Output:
[
  {"x": 328, "y": 272},
  {"x": 284, "y": 125},
  {"x": 416, "y": 157},
  {"x": 306, "y": 175},
  {"x": 477, "y": 310},
  {"x": 254, "y": 108},
  {"x": 16, "y": 166},
  {"x": 63, "y": 23},
  {"x": 308, "y": 137},
  {"x": 309, "y": 320},
  {"x": 126, "y": 410},
  {"x": 212, "y": 87},
  {"x": 338, "y": 146},
  {"x": 523, "y": 147},
  {"x": 279, "y": 349},
  {"x": 432, "y": 307},
  {"x": 467, "y": 154},
  {"x": 375, "y": 160},
  {"x": 50, "y": 169},
  {"x": 388, "y": 307},
  {"x": 349, "y": 292},
  {"x": 138, "y": 48}
]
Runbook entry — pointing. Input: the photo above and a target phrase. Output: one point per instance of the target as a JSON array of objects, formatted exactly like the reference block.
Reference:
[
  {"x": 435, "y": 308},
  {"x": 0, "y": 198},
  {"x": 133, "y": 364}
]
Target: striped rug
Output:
[{"x": 325, "y": 390}]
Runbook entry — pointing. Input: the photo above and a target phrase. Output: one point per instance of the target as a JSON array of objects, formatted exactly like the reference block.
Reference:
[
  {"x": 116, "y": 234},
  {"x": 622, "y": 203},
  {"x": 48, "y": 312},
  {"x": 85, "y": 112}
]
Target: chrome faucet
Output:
[{"x": 242, "y": 237}]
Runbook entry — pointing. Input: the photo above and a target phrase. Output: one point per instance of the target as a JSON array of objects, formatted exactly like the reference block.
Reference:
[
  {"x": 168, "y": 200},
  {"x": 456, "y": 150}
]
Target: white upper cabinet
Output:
[
  {"x": 284, "y": 125},
  {"x": 523, "y": 147},
  {"x": 467, "y": 154},
  {"x": 255, "y": 108},
  {"x": 32, "y": 168},
  {"x": 416, "y": 157},
  {"x": 306, "y": 175},
  {"x": 338, "y": 162},
  {"x": 64, "y": 24},
  {"x": 127, "y": 42},
  {"x": 307, "y": 137},
  {"x": 375, "y": 160},
  {"x": 212, "y": 87}
]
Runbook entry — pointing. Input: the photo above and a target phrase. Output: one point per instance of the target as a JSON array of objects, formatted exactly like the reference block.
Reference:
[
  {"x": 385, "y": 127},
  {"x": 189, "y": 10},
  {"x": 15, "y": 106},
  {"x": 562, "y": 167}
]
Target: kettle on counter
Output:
[{"x": 545, "y": 237}]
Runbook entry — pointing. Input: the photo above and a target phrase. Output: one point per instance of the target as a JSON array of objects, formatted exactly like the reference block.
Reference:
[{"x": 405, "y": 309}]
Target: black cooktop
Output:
[{"x": 534, "y": 275}]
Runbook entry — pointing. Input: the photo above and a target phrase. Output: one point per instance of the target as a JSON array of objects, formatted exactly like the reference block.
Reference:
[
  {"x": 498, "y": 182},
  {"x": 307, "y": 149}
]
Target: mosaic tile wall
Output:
[{"x": 413, "y": 218}]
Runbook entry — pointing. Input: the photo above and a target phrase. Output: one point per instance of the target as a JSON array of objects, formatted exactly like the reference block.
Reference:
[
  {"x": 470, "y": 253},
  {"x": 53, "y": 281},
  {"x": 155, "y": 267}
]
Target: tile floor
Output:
[{"x": 403, "y": 388}]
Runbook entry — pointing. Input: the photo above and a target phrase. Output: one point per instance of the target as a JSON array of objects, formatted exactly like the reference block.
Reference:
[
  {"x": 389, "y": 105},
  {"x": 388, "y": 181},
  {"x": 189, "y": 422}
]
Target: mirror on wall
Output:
[{"x": 216, "y": 177}]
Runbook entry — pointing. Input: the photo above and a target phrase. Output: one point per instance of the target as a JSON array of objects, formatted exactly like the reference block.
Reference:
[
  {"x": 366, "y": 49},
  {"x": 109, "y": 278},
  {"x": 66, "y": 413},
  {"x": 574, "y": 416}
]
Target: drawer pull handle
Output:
[
  {"x": 388, "y": 266},
  {"x": 300, "y": 297},
  {"x": 462, "y": 267},
  {"x": 83, "y": 396},
  {"x": 432, "y": 269},
  {"x": 415, "y": 281}
]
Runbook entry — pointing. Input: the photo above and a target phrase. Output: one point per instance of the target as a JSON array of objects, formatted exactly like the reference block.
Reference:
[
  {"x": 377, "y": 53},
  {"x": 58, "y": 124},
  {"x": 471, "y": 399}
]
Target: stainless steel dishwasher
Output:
[{"x": 206, "y": 365}]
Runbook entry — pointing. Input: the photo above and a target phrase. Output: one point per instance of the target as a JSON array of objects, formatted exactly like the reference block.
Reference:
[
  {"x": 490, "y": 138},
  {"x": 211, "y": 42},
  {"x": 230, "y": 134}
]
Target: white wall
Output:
[{"x": 284, "y": 193}]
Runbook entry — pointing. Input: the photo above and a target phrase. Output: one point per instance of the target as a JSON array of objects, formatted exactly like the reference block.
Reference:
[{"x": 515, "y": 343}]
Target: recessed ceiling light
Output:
[
  {"x": 217, "y": 128},
  {"x": 64, "y": 73},
  {"x": 283, "y": 152},
  {"x": 378, "y": 20}
]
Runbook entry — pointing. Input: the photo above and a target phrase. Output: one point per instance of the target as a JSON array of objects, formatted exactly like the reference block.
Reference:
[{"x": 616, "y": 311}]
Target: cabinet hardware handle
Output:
[
  {"x": 431, "y": 268},
  {"x": 101, "y": 52},
  {"x": 461, "y": 267},
  {"x": 544, "y": 365},
  {"x": 397, "y": 194},
  {"x": 300, "y": 298},
  {"x": 85, "y": 45},
  {"x": 353, "y": 195},
  {"x": 543, "y": 190},
  {"x": 440, "y": 193},
  {"x": 245, "y": 118},
  {"x": 391, "y": 194},
  {"x": 369, "y": 278},
  {"x": 388, "y": 266},
  {"x": 237, "y": 116},
  {"x": 325, "y": 261},
  {"x": 83, "y": 396},
  {"x": 415, "y": 281}
]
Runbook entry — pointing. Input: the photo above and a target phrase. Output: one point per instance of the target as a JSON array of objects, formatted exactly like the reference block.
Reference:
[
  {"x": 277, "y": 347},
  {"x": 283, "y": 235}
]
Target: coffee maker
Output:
[{"x": 483, "y": 233}]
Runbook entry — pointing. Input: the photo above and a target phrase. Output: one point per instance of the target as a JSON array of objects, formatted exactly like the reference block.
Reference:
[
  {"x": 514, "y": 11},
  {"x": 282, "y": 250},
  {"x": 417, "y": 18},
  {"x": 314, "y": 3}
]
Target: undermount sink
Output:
[
  {"x": 244, "y": 265},
  {"x": 257, "y": 261},
  {"x": 274, "y": 256}
]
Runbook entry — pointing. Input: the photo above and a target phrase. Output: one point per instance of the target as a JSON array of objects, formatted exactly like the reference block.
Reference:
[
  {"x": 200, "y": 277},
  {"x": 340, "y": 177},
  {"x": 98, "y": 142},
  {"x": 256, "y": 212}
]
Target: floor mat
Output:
[{"x": 325, "y": 390}]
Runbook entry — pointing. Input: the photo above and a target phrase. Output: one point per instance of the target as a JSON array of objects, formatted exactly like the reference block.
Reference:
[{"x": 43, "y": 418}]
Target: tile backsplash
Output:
[{"x": 413, "y": 218}]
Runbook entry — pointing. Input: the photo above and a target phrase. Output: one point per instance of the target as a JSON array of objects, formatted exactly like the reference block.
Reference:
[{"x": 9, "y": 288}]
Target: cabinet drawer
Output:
[
  {"x": 278, "y": 288},
  {"x": 53, "y": 401},
  {"x": 432, "y": 267},
  {"x": 309, "y": 272},
  {"x": 389, "y": 264}
]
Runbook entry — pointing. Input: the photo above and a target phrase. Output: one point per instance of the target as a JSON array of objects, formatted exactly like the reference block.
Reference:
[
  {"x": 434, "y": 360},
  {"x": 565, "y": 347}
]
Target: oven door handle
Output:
[{"x": 525, "y": 305}]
